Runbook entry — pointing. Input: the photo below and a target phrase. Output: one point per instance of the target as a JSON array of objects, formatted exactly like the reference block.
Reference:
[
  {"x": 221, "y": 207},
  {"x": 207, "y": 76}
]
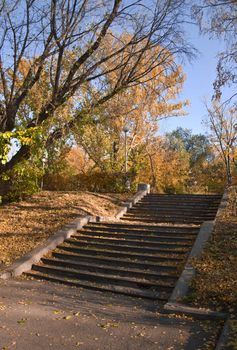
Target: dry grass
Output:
[
  {"x": 215, "y": 284},
  {"x": 216, "y": 280},
  {"x": 26, "y": 224}
]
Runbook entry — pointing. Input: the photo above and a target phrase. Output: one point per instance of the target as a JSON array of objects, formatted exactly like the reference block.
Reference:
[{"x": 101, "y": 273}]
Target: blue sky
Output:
[{"x": 199, "y": 84}]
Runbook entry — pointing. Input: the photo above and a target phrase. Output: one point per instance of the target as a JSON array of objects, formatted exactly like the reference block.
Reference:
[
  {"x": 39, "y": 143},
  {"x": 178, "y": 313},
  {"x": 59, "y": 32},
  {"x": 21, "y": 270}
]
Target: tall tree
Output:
[
  {"x": 219, "y": 19},
  {"x": 167, "y": 169},
  {"x": 197, "y": 145},
  {"x": 139, "y": 109},
  {"x": 223, "y": 132},
  {"x": 47, "y": 33}
]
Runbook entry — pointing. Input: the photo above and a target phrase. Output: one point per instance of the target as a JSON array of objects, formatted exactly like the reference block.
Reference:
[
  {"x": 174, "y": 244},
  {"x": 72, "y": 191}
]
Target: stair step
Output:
[
  {"x": 128, "y": 248},
  {"x": 136, "y": 233},
  {"x": 162, "y": 220},
  {"x": 140, "y": 209},
  {"x": 107, "y": 269},
  {"x": 145, "y": 234},
  {"x": 128, "y": 255},
  {"x": 195, "y": 195},
  {"x": 141, "y": 227},
  {"x": 177, "y": 206},
  {"x": 168, "y": 218},
  {"x": 134, "y": 292},
  {"x": 182, "y": 198},
  {"x": 133, "y": 243},
  {"x": 171, "y": 210},
  {"x": 140, "y": 238},
  {"x": 169, "y": 215},
  {"x": 141, "y": 283},
  {"x": 179, "y": 202},
  {"x": 141, "y": 265}
]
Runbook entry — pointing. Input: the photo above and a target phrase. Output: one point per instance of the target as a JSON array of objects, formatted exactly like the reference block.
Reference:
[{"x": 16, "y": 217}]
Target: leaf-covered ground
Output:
[
  {"x": 215, "y": 284},
  {"x": 28, "y": 223}
]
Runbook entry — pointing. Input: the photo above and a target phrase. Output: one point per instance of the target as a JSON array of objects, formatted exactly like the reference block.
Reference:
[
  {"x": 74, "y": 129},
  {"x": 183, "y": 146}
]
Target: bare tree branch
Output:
[{"x": 68, "y": 39}]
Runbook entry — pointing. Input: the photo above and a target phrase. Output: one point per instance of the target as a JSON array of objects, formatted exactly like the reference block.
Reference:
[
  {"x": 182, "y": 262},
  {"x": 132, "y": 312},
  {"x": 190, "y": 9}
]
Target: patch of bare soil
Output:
[{"x": 29, "y": 223}]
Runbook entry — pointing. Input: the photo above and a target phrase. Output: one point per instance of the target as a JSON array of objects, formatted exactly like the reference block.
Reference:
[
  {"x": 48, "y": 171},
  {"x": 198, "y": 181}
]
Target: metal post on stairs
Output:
[
  {"x": 144, "y": 187},
  {"x": 127, "y": 182}
]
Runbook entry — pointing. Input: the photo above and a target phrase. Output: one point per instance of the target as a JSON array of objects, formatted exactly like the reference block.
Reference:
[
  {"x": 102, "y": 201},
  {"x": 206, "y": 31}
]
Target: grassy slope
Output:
[
  {"x": 215, "y": 285},
  {"x": 28, "y": 223}
]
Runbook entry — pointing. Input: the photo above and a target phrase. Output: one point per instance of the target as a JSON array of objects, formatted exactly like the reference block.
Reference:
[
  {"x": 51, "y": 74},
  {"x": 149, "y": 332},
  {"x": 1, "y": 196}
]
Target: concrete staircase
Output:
[
  {"x": 141, "y": 255},
  {"x": 181, "y": 209}
]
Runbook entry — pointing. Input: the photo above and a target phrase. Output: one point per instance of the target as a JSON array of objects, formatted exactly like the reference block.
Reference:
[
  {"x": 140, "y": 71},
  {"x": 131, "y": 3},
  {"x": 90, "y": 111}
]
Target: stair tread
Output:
[
  {"x": 145, "y": 250},
  {"x": 141, "y": 227},
  {"x": 142, "y": 235},
  {"x": 105, "y": 287},
  {"x": 142, "y": 281},
  {"x": 129, "y": 241},
  {"x": 175, "y": 220},
  {"x": 81, "y": 265},
  {"x": 136, "y": 237},
  {"x": 142, "y": 264},
  {"x": 168, "y": 215},
  {"x": 107, "y": 253},
  {"x": 171, "y": 210},
  {"x": 184, "y": 194}
]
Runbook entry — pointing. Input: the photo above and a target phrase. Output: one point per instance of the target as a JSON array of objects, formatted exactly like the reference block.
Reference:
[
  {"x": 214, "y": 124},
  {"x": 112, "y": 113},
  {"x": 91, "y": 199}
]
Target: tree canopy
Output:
[
  {"x": 219, "y": 19},
  {"x": 75, "y": 45}
]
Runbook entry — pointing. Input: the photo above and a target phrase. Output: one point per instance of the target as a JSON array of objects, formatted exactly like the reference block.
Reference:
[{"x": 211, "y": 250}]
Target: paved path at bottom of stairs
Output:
[{"x": 41, "y": 315}]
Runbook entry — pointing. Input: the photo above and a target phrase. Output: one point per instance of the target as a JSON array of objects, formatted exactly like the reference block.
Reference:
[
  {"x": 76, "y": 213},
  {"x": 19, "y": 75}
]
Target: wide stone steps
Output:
[
  {"x": 188, "y": 197},
  {"x": 150, "y": 200},
  {"x": 165, "y": 243},
  {"x": 111, "y": 270},
  {"x": 206, "y": 216},
  {"x": 129, "y": 282},
  {"x": 157, "y": 220},
  {"x": 152, "y": 256},
  {"x": 125, "y": 246},
  {"x": 166, "y": 237},
  {"x": 175, "y": 208},
  {"x": 140, "y": 255},
  {"x": 136, "y": 264},
  {"x": 184, "y": 195},
  {"x": 155, "y": 210},
  {"x": 184, "y": 203},
  {"x": 180, "y": 202},
  {"x": 142, "y": 229},
  {"x": 104, "y": 287}
]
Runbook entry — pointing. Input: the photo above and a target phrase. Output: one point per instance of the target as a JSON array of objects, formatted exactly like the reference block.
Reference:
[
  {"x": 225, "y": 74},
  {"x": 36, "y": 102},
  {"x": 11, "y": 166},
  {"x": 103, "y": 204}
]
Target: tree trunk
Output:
[
  {"x": 5, "y": 188},
  {"x": 228, "y": 171},
  {"x": 22, "y": 154}
]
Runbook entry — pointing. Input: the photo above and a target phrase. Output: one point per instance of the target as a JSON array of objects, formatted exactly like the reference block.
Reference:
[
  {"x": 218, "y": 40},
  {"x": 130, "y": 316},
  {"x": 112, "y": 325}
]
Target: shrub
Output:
[{"x": 22, "y": 181}]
